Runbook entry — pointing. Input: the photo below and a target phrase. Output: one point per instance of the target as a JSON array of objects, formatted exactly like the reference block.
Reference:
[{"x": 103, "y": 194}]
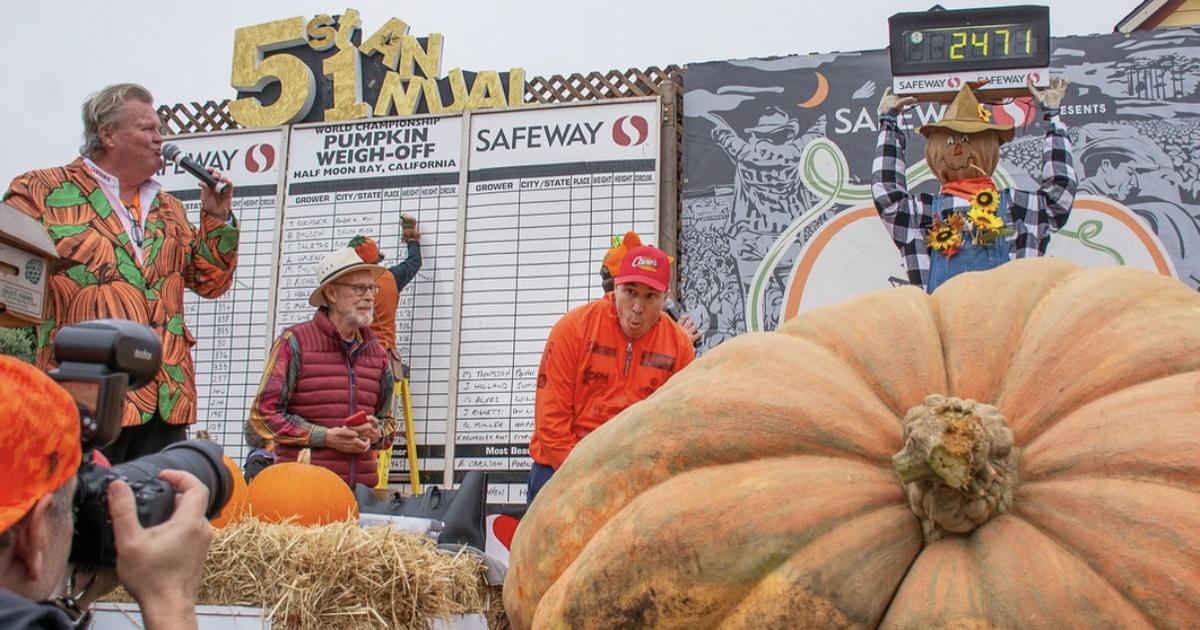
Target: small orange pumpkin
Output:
[
  {"x": 235, "y": 509},
  {"x": 312, "y": 494},
  {"x": 1020, "y": 449}
]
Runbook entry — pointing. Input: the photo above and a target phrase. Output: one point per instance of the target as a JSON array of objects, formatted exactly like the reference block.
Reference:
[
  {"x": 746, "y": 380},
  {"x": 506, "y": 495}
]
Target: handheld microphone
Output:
[
  {"x": 176, "y": 155},
  {"x": 671, "y": 309}
]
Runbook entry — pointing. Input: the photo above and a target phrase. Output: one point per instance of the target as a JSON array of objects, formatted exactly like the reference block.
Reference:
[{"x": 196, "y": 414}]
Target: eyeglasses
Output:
[{"x": 360, "y": 289}]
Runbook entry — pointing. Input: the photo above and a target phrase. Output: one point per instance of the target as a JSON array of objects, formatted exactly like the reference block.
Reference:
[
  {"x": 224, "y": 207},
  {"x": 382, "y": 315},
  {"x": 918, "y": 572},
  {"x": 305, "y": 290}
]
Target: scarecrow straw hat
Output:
[{"x": 966, "y": 115}]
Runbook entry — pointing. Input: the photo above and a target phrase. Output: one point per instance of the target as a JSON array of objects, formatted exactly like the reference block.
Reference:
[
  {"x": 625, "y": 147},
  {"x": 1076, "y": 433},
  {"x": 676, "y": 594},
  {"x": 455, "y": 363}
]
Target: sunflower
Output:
[
  {"x": 984, "y": 114},
  {"x": 984, "y": 220},
  {"x": 986, "y": 200},
  {"x": 944, "y": 239}
]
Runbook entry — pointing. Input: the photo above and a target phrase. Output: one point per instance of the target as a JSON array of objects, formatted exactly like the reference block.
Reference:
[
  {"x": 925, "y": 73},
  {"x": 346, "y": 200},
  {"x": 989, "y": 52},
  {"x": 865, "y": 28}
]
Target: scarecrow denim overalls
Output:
[{"x": 970, "y": 257}]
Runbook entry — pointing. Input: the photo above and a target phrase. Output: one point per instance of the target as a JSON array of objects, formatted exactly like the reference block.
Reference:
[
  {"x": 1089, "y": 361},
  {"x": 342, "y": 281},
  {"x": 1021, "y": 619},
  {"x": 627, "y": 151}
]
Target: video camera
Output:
[{"x": 98, "y": 361}]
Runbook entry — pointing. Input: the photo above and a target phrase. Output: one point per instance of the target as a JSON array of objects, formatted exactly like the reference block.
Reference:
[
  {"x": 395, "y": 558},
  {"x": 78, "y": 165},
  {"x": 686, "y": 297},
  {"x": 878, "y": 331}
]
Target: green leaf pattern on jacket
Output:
[
  {"x": 44, "y": 333},
  {"x": 59, "y": 232},
  {"x": 131, "y": 272},
  {"x": 228, "y": 236},
  {"x": 80, "y": 275},
  {"x": 100, "y": 203},
  {"x": 175, "y": 371},
  {"x": 65, "y": 196},
  {"x": 166, "y": 402},
  {"x": 206, "y": 253},
  {"x": 175, "y": 325}
]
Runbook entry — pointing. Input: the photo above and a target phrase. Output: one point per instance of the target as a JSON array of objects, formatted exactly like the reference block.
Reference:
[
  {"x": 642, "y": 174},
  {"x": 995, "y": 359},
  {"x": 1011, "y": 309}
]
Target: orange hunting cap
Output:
[
  {"x": 39, "y": 438},
  {"x": 621, "y": 246}
]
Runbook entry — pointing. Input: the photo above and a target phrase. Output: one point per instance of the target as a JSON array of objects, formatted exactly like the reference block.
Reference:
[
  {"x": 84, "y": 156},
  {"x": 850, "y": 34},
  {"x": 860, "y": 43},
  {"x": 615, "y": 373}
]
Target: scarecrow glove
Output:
[
  {"x": 1051, "y": 97},
  {"x": 409, "y": 225},
  {"x": 891, "y": 104}
]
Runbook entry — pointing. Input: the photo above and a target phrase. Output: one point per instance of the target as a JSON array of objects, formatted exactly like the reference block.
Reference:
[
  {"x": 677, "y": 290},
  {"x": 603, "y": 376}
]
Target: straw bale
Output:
[{"x": 343, "y": 577}]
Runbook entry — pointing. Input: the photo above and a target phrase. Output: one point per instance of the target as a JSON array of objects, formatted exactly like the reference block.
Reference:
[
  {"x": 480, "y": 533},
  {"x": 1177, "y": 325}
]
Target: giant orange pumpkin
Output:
[
  {"x": 312, "y": 494},
  {"x": 838, "y": 473}
]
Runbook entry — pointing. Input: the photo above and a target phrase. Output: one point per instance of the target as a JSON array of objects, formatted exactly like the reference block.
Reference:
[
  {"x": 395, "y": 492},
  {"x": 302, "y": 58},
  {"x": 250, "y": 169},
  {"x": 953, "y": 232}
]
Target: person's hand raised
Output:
[{"x": 214, "y": 204}]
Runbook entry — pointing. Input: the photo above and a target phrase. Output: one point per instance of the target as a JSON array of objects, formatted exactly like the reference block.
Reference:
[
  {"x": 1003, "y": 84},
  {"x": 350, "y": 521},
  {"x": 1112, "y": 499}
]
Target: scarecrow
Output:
[{"x": 970, "y": 225}]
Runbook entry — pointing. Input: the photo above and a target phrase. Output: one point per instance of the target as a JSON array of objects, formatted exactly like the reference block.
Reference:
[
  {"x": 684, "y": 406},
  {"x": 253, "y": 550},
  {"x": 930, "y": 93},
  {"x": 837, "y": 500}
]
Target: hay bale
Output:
[{"x": 343, "y": 577}]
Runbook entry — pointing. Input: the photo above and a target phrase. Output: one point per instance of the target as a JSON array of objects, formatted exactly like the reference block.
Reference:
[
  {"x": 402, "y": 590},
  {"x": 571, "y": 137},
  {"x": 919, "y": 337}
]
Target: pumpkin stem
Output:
[
  {"x": 958, "y": 464},
  {"x": 912, "y": 468}
]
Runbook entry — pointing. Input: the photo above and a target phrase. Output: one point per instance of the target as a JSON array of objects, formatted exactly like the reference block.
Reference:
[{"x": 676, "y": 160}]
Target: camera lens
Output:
[
  {"x": 202, "y": 458},
  {"x": 155, "y": 498}
]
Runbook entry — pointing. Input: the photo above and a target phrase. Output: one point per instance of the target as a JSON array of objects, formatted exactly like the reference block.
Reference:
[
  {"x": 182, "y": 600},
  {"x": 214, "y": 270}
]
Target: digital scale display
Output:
[
  {"x": 999, "y": 44},
  {"x": 936, "y": 51}
]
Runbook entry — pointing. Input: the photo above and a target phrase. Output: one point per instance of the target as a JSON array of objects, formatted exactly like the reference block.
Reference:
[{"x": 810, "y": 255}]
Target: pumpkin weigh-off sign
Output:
[{"x": 1020, "y": 449}]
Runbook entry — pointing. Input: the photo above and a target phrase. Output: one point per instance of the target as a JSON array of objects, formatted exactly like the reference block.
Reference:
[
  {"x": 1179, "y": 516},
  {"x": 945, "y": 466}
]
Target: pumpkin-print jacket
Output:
[{"x": 108, "y": 282}]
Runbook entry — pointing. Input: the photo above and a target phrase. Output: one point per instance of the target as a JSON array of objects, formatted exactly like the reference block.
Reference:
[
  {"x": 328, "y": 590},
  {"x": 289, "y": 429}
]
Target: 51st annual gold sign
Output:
[{"x": 321, "y": 70}]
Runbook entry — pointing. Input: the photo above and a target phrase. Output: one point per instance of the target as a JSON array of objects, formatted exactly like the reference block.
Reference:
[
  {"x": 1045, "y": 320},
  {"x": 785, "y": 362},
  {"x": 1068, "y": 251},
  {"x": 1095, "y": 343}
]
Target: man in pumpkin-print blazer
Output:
[{"x": 134, "y": 253}]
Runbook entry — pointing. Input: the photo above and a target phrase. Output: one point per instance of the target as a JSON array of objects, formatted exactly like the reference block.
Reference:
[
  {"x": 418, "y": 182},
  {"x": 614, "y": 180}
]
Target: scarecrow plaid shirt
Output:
[{"x": 1035, "y": 215}]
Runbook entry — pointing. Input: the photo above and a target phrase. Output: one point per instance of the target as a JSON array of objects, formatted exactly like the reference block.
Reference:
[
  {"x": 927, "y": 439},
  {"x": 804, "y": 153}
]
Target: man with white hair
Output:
[{"x": 324, "y": 372}]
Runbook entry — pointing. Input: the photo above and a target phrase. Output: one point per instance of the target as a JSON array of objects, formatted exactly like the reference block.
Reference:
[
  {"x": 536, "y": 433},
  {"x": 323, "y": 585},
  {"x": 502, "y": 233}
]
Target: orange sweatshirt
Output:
[{"x": 591, "y": 371}]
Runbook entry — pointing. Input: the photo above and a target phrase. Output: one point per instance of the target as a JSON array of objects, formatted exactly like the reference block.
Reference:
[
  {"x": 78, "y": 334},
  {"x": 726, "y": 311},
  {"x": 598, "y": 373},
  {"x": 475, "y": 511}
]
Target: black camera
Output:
[{"x": 98, "y": 361}]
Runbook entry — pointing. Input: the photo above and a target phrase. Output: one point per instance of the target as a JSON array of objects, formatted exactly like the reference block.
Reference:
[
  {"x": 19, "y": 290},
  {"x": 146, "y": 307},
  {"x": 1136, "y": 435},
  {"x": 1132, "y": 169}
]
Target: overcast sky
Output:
[{"x": 60, "y": 51}]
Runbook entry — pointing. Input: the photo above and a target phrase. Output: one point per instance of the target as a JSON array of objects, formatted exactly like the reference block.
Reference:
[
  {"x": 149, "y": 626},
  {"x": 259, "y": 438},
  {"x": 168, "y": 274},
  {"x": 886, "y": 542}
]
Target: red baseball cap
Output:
[
  {"x": 646, "y": 264},
  {"x": 39, "y": 438}
]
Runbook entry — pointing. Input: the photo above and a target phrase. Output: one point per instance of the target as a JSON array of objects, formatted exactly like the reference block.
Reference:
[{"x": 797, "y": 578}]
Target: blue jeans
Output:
[
  {"x": 538, "y": 476},
  {"x": 970, "y": 256}
]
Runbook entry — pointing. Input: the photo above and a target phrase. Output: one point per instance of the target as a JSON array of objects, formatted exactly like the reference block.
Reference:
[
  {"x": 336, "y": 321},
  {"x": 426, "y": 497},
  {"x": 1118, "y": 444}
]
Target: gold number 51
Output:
[{"x": 252, "y": 73}]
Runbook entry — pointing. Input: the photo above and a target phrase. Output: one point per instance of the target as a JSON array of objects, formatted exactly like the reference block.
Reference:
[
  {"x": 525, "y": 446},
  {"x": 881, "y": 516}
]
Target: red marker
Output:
[{"x": 357, "y": 419}]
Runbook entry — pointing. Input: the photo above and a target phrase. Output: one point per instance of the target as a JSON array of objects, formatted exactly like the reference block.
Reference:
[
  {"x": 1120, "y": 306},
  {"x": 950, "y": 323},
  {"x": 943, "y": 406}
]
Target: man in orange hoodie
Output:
[
  {"x": 387, "y": 300},
  {"x": 603, "y": 357}
]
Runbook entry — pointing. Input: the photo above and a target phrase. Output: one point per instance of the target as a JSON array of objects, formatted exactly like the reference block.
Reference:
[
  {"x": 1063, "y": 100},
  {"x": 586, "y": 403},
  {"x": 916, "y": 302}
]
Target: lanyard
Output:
[{"x": 134, "y": 211}]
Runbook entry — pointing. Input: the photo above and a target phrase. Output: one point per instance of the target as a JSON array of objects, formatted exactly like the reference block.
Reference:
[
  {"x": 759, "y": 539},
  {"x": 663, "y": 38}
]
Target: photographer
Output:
[{"x": 39, "y": 455}]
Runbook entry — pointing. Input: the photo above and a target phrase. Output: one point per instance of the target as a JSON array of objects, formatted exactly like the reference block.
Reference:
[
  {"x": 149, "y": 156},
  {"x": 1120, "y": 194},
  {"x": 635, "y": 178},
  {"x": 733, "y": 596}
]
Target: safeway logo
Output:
[
  {"x": 954, "y": 82},
  {"x": 260, "y": 157},
  {"x": 1017, "y": 112},
  {"x": 630, "y": 131}
]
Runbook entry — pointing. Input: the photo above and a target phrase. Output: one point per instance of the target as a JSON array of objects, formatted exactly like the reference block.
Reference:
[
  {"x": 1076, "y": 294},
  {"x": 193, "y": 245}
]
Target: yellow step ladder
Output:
[{"x": 401, "y": 392}]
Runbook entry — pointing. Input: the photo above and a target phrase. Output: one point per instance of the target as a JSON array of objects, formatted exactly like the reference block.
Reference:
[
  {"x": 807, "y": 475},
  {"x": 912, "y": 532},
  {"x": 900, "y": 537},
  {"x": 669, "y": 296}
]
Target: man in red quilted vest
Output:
[{"x": 323, "y": 372}]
